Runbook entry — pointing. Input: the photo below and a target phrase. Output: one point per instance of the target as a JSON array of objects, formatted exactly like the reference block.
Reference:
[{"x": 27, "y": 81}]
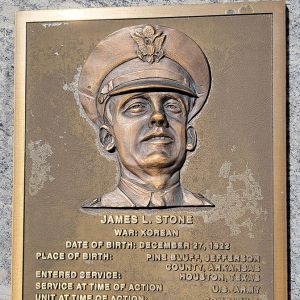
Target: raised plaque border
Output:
[{"x": 276, "y": 8}]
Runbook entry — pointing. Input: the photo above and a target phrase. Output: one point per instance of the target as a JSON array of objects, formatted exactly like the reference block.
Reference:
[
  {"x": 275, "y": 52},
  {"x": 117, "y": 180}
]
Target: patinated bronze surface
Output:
[{"x": 143, "y": 96}]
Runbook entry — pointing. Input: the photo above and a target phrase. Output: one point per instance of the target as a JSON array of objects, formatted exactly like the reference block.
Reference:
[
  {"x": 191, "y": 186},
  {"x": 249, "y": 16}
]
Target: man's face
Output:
[{"x": 149, "y": 130}]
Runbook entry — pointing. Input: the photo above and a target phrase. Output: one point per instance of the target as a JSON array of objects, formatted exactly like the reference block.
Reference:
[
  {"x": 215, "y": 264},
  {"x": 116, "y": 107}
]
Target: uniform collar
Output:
[{"x": 141, "y": 197}]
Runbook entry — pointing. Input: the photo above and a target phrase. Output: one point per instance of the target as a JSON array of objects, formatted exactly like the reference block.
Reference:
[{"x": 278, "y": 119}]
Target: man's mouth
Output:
[{"x": 158, "y": 138}]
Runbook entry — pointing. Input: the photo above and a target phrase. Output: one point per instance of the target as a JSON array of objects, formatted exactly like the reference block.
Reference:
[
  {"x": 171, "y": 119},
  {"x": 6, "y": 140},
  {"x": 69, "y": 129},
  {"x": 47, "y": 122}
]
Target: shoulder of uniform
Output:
[
  {"x": 195, "y": 199},
  {"x": 113, "y": 199}
]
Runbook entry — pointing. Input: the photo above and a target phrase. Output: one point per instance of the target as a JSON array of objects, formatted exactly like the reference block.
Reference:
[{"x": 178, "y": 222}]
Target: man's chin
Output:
[{"x": 158, "y": 160}]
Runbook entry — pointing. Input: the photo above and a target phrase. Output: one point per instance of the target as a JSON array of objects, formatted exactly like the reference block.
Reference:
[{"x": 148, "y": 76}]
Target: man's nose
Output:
[{"x": 158, "y": 119}]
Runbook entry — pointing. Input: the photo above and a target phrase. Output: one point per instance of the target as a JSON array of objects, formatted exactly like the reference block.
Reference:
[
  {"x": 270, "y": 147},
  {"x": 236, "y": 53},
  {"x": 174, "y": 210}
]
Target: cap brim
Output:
[{"x": 161, "y": 84}]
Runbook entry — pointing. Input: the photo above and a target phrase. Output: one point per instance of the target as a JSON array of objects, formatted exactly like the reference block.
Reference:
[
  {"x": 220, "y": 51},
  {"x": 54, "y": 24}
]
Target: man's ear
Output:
[
  {"x": 191, "y": 138},
  {"x": 106, "y": 138}
]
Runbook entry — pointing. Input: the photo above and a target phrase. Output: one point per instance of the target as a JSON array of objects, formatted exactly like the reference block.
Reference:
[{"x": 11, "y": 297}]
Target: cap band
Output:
[{"x": 155, "y": 78}]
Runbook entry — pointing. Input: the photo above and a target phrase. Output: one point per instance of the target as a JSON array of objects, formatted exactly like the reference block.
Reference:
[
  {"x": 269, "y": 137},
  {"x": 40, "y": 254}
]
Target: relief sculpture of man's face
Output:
[
  {"x": 142, "y": 98},
  {"x": 149, "y": 130}
]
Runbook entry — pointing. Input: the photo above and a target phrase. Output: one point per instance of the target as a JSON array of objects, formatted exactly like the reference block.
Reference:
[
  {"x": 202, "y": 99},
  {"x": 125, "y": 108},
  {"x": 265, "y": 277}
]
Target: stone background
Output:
[{"x": 7, "y": 11}]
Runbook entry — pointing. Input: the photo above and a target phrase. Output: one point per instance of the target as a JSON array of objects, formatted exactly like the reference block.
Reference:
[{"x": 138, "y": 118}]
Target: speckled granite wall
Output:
[{"x": 7, "y": 10}]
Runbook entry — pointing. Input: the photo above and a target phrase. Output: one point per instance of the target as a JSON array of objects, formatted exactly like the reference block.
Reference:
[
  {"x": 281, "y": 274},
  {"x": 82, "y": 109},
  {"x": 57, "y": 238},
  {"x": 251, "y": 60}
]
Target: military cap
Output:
[{"x": 143, "y": 57}]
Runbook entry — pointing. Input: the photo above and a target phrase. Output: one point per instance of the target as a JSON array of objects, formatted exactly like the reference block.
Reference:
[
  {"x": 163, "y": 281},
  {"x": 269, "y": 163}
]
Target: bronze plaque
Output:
[{"x": 150, "y": 153}]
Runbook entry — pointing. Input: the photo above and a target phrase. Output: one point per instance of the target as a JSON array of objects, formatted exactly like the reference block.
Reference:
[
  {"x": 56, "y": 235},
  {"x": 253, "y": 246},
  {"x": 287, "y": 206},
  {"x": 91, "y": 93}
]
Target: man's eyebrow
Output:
[
  {"x": 138, "y": 94},
  {"x": 173, "y": 96}
]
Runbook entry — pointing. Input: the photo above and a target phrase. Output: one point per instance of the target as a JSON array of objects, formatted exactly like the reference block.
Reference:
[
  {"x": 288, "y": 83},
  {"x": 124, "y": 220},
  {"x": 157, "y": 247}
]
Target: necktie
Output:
[{"x": 157, "y": 200}]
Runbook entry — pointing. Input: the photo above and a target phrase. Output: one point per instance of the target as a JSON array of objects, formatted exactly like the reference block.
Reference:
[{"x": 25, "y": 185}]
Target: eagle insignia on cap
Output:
[{"x": 149, "y": 44}]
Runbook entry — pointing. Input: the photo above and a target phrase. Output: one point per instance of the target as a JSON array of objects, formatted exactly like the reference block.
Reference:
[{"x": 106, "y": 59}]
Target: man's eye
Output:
[
  {"x": 173, "y": 107},
  {"x": 136, "y": 108}
]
